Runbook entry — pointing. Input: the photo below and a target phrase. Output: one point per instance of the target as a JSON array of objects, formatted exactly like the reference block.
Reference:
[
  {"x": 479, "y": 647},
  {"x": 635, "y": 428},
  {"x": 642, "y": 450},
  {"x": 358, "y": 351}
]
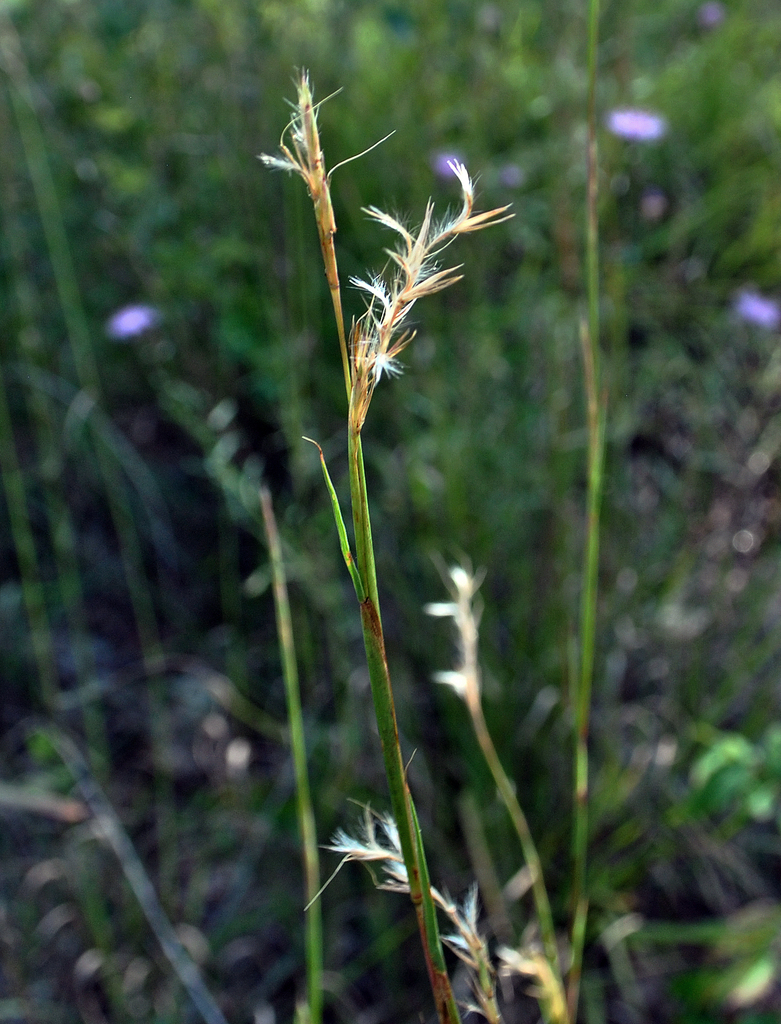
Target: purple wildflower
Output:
[
  {"x": 711, "y": 14},
  {"x": 441, "y": 163},
  {"x": 636, "y": 125},
  {"x": 131, "y": 321},
  {"x": 511, "y": 176},
  {"x": 653, "y": 204},
  {"x": 489, "y": 18},
  {"x": 758, "y": 310}
]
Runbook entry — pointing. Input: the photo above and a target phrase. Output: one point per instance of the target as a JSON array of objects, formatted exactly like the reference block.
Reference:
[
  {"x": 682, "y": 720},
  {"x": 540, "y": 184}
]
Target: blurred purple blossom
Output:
[
  {"x": 711, "y": 14},
  {"x": 511, "y": 175},
  {"x": 131, "y": 321},
  {"x": 489, "y": 18},
  {"x": 440, "y": 163},
  {"x": 636, "y": 125},
  {"x": 653, "y": 204},
  {"x": 758, "y": 310}
]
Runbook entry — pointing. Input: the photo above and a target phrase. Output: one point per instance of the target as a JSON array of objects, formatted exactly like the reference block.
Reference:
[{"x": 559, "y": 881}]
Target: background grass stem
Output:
[
  {"x": 113, "y": 832},
  {"x": 596, "y": 413},
  {"x": 306, "y": 818},
  {"x": 528, "y": 846},
  {"x": 27, "y": 558}
]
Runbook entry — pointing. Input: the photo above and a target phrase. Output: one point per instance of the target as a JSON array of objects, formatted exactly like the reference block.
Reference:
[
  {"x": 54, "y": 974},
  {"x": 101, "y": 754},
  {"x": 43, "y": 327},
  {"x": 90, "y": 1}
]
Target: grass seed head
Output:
[{"x": 380, "y": 335}]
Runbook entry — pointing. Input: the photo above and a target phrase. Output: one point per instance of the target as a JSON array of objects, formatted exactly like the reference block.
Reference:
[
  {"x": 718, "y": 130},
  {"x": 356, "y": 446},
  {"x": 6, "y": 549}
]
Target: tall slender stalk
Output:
[
  {"x": 374, "y": 344},
  {"x": 306, "y": 818},
  {"x": 518, "y": 818},
  {"x": 27, "y": 558},
  {"x": 385, "y": 712},
  {"x": 596, "y": 415},
  {"x": 465, "y": 680}
]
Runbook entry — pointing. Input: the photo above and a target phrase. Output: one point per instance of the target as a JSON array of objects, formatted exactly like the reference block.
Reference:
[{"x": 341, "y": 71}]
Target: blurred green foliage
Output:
[{"x": 128, "y": 173}]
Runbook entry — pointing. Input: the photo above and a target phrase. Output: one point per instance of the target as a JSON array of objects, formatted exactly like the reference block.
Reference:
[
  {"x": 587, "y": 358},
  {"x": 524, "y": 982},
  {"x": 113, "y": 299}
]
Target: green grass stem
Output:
[
  {"x": 306, "y": 818},
  {"x": 364, "y": 581},
  {"x": 465, "y": 680},
  {"x": 596, "y": 452},
  {"x": 528, "y": 846},
  {"x": 27, "y": 558},
  {"x": 385, "y": 713}
]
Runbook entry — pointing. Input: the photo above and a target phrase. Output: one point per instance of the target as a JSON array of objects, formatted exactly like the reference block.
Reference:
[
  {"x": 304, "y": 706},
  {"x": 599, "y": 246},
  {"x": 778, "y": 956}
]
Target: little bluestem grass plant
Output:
[{"x": 370, "y": 353}]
